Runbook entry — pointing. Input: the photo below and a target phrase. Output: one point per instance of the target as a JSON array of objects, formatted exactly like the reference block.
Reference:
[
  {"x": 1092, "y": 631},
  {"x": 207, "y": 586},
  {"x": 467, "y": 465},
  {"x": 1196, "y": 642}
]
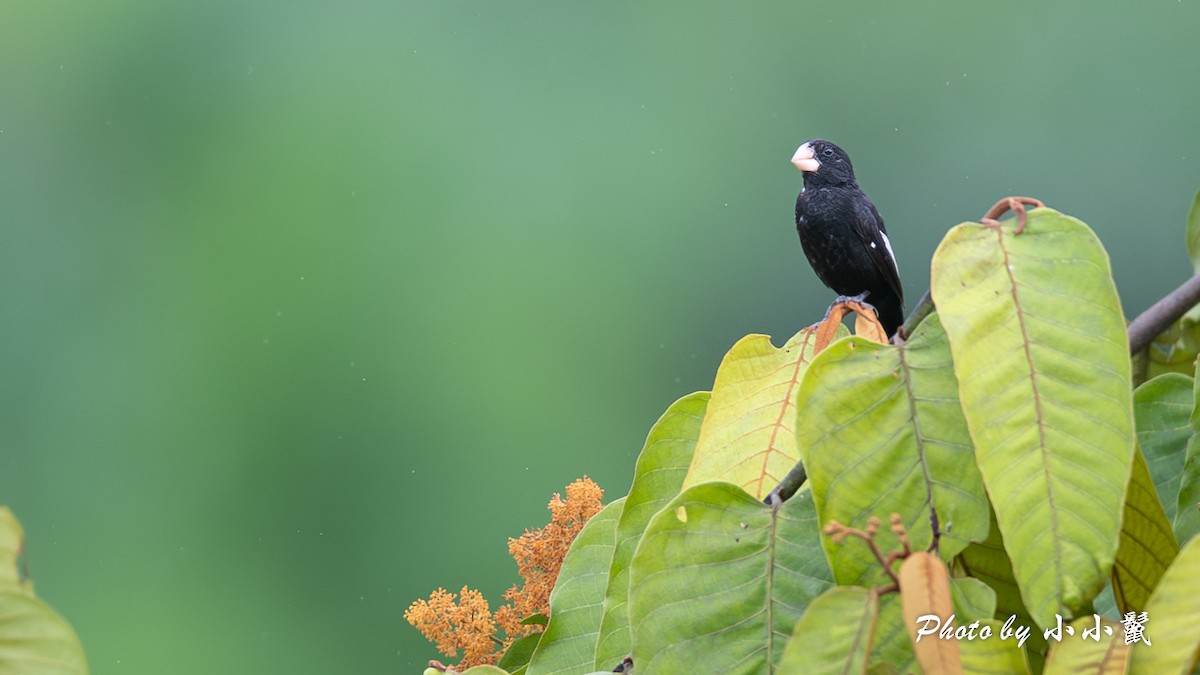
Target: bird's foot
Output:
[
  {"x": 852, "y": 298},
  {"x": 860, "y": 299},
  {"x": 1014, "y": 204}
]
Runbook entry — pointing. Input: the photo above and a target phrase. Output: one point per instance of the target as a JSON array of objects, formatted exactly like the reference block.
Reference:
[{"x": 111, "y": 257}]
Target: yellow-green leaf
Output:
[
  {"x": 748, "y": 436},
  {"x": 881, "y": 432},
  {"x": 1042, "y": 361},
  {"x": 1172, "y": 624}
]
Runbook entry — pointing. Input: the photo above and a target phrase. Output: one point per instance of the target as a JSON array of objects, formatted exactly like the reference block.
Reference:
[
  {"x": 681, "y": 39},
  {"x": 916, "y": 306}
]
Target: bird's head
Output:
[{"x": 824, "y": 164}]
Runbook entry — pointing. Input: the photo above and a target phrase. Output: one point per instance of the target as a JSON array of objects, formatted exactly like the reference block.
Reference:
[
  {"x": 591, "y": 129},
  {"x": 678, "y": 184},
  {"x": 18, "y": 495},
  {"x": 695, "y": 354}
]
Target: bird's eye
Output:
[{"x": 828, "y": 152}]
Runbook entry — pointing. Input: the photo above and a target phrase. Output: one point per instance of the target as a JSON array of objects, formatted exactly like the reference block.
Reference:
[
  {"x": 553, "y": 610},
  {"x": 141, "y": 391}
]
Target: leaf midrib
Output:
[
  {"x": 788, "y": 397},
  {"x": 1037, "y": 402},
  {"x": 902, "y": 351}
]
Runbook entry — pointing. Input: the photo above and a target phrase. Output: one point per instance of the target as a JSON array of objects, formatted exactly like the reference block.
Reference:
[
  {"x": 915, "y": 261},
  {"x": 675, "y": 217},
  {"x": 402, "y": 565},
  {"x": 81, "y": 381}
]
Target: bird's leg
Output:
[
  {"x": 846, "y": 298},
  {"x": 852, "y": 298},
  {"x": 1014, "y": 204},
  {"x": 860, "y": 299}
]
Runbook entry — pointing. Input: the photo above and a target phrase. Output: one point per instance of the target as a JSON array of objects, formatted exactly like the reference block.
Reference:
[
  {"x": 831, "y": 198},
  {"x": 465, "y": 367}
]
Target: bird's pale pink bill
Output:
[{"x": 805, "y": 159}]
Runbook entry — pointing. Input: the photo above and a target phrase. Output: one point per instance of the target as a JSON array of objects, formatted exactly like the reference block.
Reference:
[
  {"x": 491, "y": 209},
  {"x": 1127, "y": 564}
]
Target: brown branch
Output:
[
  {"x": 788, "y": 486},
  {"x": 1162, "y": 314},
  {"x": 923, "y": 309}
]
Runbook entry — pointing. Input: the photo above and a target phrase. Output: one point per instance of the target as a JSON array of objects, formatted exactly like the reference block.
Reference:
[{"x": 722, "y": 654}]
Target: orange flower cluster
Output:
[
  {"x": 467, "y": 624},
  {"x": 539, "y": 554}
]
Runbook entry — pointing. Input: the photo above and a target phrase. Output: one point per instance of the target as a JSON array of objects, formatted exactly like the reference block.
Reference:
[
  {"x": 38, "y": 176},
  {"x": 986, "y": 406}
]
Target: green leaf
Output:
[
  {"x": 658, "y": 477},
  {"x": 973, "y": 599},
  {"x": 835, "y": 633},
  {"x": 568, "y": 644},
  {"x": 993, "y": 655},
  {"x": 1193, "y": 233},
  {"x": 519, "y": 652},
  {"x": 1076, "y": 654},
  {"x": 748, "y": 436},
  {"x": 1147, "y": 543},
  {"x": 485, "y": 670},
  {"x": 892, "y": 646},
  {"x": 720, "y": 580},
  {"x": 1043, "y": 367},
  {"x": 1172, "y": 614},
  {"x": 34, "y": 640},
  {"x": 882, "y": 432},
  {"x": 1162, "y": 408}
]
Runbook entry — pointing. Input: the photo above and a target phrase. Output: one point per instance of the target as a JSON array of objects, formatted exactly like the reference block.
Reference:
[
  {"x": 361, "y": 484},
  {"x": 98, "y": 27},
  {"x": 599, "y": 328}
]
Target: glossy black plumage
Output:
[{"x": 842, "y": 234}]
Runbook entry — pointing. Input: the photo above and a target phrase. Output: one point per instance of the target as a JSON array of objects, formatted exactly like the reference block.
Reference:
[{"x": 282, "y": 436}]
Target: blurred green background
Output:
[{"x": 308, "y": 306}]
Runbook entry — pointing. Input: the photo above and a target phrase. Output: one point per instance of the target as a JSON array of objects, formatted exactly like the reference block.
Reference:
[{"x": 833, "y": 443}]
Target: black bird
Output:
[{"x": 842, "y": 234}]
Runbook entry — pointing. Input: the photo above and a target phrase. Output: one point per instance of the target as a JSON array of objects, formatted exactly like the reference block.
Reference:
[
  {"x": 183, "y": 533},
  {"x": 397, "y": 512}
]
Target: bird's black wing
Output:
[{"x": 868, "y": 225}]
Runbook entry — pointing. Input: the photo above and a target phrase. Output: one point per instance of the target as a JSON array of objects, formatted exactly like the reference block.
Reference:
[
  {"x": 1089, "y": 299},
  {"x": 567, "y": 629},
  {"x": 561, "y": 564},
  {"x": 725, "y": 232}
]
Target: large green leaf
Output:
[
  {"x": 881, "y": 432},
  {"x": 659, "y": 474},
  {"x": 748, "y": 437},
  {"x": 1147, "y": 543},
  {"x": 1171, "y": 619},
  {"x": 720, "y": 580},
  {"x": 834, "y": 636},
  {"x": 34, "y": 640},
  {"x": 1162, "y": 408},
  {"x": 568, "y": 644},
  {"x": 1043, "y": 367}
]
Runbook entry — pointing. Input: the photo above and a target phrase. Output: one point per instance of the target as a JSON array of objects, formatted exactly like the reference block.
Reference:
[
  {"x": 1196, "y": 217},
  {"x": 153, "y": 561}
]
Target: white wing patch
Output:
[{"x": 888, "y": 245}]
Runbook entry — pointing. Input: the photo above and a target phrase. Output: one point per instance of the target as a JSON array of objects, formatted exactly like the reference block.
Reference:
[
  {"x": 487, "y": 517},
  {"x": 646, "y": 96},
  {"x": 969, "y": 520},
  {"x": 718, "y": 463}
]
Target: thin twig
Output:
[
  {"x": 1162, "y": 314},
  {"x": 788, "y": 486},
  {"x": 922, "y": 310}
]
